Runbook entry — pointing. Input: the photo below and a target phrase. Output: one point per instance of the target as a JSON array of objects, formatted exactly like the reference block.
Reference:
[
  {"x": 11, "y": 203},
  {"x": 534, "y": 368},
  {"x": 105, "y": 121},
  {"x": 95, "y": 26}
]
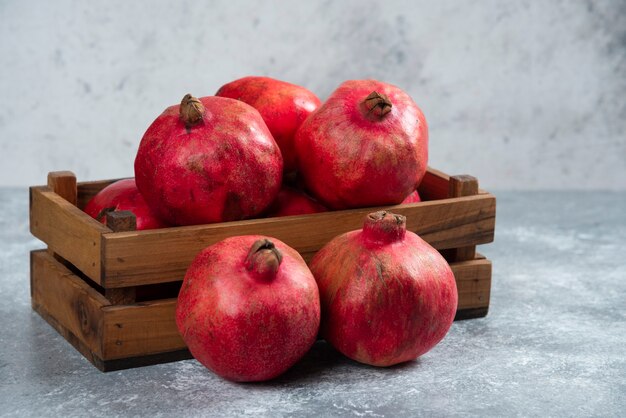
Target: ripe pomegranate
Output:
[
  {"x": 248, "y": 308},
  {"x": 387, "y": 296},
  {"x": 208, "y": 160},
  {"x": 293, "y": 202},
  {"x": 283, "y": 106},
  {"x": 123, "y": 195},
  {"x": 412, "y": 198},
  {"x": 367, "y": 145}
]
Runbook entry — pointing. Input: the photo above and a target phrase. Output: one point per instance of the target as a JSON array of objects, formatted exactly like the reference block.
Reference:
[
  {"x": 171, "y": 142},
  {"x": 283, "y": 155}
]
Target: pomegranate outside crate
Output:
[
  {"x": 387, "y": 296},
  {"x": 248, "y": 308}
]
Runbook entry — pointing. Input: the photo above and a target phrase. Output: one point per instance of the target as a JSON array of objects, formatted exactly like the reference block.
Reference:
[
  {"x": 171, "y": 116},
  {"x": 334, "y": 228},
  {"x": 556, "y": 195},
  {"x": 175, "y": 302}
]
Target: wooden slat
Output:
[
  {"x": 163, "y": 255},
  {"x": 67, "y": 302},
  {"x": 141, "y": 329},
  {"x": 88, "y": 189},
  {"x": 67, "y": 230}
]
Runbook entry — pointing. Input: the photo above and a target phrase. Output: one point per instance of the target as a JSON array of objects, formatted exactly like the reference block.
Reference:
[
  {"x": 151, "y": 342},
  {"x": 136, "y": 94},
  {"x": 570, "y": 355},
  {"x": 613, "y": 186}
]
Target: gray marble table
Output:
[{"x": 553, "y": 344}]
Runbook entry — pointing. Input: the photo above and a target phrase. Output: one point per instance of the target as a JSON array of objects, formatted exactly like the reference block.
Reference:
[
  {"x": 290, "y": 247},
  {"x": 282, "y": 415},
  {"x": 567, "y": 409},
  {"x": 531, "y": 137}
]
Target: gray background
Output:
[{"x": 523, "y": 95}]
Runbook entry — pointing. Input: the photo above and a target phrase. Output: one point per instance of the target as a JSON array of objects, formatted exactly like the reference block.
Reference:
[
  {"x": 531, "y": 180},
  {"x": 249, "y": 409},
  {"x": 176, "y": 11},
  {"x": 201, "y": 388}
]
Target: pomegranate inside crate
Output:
[{"x": 112, "y": 292}]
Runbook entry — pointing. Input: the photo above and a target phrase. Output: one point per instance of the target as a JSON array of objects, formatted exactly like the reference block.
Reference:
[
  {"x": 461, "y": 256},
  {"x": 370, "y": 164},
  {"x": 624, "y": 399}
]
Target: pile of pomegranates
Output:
[
  {"x": 249, "y": 306},
  {"x": 265, "y": 147}
]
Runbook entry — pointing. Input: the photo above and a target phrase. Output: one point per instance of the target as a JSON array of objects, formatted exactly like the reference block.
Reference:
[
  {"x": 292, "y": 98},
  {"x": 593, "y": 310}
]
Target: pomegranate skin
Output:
[
  {"x": 367, "y": 145},
  {"x": 293, "y": 202},
  {"x": 387, "y": 296},
  {"x": 283, "y": 106},
  {"x": 208, "y": 160},
  {"x": 245, "y": 314},
  {"x": 412, "y": 198},
  {"x": 123, "y": 195}
]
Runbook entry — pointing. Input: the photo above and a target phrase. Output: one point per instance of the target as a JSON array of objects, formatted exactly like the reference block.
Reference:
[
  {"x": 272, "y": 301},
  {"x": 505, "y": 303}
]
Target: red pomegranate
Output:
[
  {"x": 367, "y": 145},
  {"x": 293, "y": 202},
  {"x": 123, "y": 195},
  {"x": 412, "y": 198},
  {"x": 208, "y": 160},
  {"x": 283, "y": 106},
  {"x": 387, "y": 296},
  {"x": 248, "y": 308}
]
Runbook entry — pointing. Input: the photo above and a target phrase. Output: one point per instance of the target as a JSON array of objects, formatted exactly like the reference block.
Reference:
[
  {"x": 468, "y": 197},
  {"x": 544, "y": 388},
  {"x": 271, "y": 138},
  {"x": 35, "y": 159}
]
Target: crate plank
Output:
[
  {"x": 141, "y": 329},
  {"x": 163, "y": 255},
  {"x": 67, "y": 302},
  {"x": 67, "y": 230}
]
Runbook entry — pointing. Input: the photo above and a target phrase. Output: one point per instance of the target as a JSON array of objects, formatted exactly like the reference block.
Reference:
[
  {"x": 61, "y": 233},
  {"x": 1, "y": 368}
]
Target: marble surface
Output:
[
  {"x": 532, "y": 90},
  {"x": 552, "y": 344}
]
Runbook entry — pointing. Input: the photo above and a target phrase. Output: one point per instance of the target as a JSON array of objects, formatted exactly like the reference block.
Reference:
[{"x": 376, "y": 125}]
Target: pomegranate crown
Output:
[
  {"x": 191, "y": 110},
  {"x": 384, "y": 227},
  {"x": 264, "y": 258},
  {"x": 377, "y": 104}
]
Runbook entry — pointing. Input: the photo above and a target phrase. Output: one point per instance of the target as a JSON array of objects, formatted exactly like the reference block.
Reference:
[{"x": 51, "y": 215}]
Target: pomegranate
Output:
[
  {"x": 208, "y": 160},
  {"x": 248, "y": 308},
  {"x": 387, "y": 296},
  {"x": 283, "y": 106},
  {"x": 412, "y": 198},
  {"x": 367, "y": 145},
  {"x": 293, "y": 202},
  {"x": 123, "y": 195}
]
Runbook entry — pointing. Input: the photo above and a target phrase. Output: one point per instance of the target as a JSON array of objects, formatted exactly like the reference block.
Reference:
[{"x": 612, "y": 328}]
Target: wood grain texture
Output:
[
  {"x": 63, "y": 183},
  {"x": 163, "y": 255},
  {"x": 141, "y": 329},
  {"x": 67, "y": 230},
  {"x": 61, "y": 296}
]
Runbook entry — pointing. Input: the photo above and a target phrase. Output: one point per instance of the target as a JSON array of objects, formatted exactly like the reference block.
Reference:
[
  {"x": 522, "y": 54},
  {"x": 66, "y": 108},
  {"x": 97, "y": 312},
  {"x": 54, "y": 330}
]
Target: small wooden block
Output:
[
  {"x": 63, "y": 183},
  {"x": 460, "y": 186},
  {"x": 121, "y": 221}
]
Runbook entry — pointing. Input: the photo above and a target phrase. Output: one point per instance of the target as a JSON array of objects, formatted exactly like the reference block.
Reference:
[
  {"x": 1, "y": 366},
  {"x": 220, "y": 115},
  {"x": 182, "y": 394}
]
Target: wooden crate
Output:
[{"x": 111, "y": 291}]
